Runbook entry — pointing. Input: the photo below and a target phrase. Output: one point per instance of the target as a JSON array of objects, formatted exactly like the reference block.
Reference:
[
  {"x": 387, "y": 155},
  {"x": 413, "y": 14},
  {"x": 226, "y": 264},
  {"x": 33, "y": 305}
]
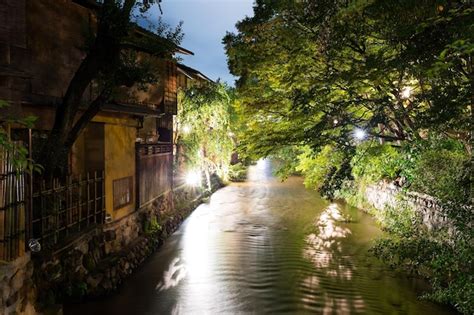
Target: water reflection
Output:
[
  {"x": 266, "y": 247},
  {"x": 324, "y": 247},
  {"x": 173, "y": 276}
]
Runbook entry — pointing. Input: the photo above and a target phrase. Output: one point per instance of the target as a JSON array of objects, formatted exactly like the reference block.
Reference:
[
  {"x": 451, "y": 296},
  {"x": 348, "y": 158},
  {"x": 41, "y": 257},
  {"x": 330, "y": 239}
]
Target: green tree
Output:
[
  {"x": 203, "y": 130},
  {"x": 16, "y": 152},
  {"x": 310, "y": 73}
]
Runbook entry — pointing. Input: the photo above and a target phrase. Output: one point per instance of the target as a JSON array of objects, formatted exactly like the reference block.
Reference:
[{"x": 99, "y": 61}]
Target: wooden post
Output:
[
  {"x": 79, "y": 201},
  {"x": 29, "y": 194}
]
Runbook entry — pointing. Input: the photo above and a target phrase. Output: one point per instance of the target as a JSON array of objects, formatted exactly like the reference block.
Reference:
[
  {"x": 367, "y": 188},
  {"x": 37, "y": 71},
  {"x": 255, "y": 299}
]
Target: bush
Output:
[
  {"x": 317, "y": 167},
  {"x": 443, "y": 256},
  {"x": 237, "y": 172},
  {"x": 372, "y": 163},
  {"x": 444, "y": 259},
  {"x": 443, "y": 174},
  {"x": 285, "y": 161}
]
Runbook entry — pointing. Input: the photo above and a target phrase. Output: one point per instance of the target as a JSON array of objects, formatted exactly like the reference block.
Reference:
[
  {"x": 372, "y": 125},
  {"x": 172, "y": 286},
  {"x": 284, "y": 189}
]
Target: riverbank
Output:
[
  {"x": 425, "y": 238},
  {"x": 97, "y": 264}
]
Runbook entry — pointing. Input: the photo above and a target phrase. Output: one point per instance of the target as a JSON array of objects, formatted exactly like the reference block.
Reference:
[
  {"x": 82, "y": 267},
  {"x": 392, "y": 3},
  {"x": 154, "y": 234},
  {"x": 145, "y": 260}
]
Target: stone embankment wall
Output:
[
  {"x": 388, "y": 195},
  {"x": 17, "y": 290},
  {"x": 96, "y": 262}
]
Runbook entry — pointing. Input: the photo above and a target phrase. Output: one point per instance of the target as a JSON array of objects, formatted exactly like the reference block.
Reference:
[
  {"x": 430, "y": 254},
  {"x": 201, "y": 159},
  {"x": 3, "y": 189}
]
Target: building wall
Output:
[
  {"x": 120, "y": 133},
  {"x": 120, "y": 136},
  {"x": 57, "y": 32},
  {"x": 42, "y": 45}
]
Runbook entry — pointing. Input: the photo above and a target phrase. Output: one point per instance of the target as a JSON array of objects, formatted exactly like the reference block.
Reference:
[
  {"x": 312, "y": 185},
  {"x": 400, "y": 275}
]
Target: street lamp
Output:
[
  {"x": 360, "y": 134},
  {"x": 406, "y": 92},
  {"x": 186, "y": 129},
  {"x": 193, "y": 178}
]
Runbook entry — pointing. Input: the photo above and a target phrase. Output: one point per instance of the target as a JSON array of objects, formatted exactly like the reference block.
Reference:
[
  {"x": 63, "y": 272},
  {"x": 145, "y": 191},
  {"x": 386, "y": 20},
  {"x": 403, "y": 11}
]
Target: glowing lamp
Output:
[
  {"x": 186, "y": 129},
  {"x": 193, "y": 178},
  {"x": 406, "y": 92},
  {"x": 360, "y": 134}
]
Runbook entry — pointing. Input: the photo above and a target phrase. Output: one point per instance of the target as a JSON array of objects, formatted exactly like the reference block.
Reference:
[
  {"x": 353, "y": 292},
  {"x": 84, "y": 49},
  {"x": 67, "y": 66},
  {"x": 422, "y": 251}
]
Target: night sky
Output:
[{"x": 205, "y": 24}]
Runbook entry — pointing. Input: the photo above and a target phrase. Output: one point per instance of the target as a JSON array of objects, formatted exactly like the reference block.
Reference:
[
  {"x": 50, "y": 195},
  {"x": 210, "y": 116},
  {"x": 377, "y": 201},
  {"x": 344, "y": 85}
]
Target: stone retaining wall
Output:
[
  {"x": 388, "y": 195},
  {"x": 17, "y": 291},
  {"x": 96, "y": 262},
  {"x": 99, "y": 260}
]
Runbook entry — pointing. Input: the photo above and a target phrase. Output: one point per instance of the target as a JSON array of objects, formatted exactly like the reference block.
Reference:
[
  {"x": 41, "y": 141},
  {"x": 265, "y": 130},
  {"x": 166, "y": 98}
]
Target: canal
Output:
[{"x": 267, "y": 247}]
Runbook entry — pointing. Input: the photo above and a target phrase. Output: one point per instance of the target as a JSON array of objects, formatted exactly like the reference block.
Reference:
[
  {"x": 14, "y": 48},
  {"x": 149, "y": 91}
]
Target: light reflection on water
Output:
[{"x": 266, "y": 247}]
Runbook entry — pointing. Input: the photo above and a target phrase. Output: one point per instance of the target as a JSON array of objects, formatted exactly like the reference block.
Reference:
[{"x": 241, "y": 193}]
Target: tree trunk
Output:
[
  {"x": 54, "y": 155},
  {"x": 104, "y": 56}
]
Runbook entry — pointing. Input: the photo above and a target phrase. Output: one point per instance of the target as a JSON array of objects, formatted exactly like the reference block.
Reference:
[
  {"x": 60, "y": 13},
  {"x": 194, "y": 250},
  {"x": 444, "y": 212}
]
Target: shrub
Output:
[
  {"x": 316, "y": 167},
  {"x": 443, "y": 174},
  {"x": 237, "y": 172},
  {"x": 444, "y": 258},
  {"x": 372, "y": 163}
]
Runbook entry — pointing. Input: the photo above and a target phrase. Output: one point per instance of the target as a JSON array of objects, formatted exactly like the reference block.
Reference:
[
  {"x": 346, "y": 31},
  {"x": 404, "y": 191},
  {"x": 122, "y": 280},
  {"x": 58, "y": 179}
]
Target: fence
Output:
[
  {"x": 154, "y": 171},
  {"x": 12, "y": 207},
  {"x": 61, "y": 209}
]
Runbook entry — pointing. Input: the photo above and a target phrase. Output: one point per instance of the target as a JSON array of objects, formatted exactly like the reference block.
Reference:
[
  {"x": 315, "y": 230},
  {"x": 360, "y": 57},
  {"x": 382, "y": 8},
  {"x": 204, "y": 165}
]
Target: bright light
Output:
[
  {"x": 261, "y": 163},
  {"x": 336, "y": 121},
  {"x": 360, "y": 134},
  {"x": 406, "y": 92},
  {"x": 186, "y": 129},
  {"x": 230, "y": 134},
  {"x": 193, "y": 178}
]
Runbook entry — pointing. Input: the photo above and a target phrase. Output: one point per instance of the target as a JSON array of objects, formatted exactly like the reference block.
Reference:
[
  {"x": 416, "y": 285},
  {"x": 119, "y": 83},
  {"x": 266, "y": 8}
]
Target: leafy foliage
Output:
[
  {"x": 317, "y": 167},
  {"x": 373, "y": 162},
  {"x": 17, "y": 152},
  {"x": 444, "y": 174},
  {"x": 311, "y": 73},
  {"x": 443, "y": 256},
  {"x": 203, "y": 129},
  {"x": 238, "y": 172}
]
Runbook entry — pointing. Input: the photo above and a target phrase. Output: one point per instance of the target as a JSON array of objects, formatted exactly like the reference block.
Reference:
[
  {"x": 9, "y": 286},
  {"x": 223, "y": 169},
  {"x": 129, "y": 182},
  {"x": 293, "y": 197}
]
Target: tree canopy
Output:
[
  {"x": 311, "y": 72},
  {"x": 352, "y": 93}
]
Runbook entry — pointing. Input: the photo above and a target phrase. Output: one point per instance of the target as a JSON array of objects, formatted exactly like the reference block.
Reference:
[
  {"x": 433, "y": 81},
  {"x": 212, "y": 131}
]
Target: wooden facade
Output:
[
  {"x": 152, "y": 160},
  {"x": 126, "y": 149}
]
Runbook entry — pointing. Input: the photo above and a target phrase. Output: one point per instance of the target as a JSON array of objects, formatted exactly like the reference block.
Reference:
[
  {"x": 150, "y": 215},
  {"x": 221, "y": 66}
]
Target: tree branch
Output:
[{"x": 87, "y": 116}]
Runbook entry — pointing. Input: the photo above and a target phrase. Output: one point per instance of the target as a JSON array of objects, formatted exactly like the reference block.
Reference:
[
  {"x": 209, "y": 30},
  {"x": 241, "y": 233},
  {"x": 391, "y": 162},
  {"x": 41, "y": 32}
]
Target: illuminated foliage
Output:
[
  {"x": 204, "y": 136},
  {"x": 311, "y": 72},
  {"x": 17, "y": 152}
]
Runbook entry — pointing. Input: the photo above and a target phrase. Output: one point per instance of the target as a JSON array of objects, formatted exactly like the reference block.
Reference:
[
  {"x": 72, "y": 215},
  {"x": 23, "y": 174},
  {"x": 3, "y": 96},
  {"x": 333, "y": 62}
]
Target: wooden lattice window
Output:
[
  {"x": 170, "y": 100},
  {"x": 123, "y": 192}
]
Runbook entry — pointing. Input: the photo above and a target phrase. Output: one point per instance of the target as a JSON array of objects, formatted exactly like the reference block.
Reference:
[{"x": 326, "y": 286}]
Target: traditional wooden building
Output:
[{"x": 121, "y": 162}]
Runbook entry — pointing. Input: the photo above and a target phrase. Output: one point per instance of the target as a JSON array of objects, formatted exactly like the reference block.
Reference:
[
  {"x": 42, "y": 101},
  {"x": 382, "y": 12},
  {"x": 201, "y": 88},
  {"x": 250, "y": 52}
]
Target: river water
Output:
[{"x": 267, "y": 247}]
